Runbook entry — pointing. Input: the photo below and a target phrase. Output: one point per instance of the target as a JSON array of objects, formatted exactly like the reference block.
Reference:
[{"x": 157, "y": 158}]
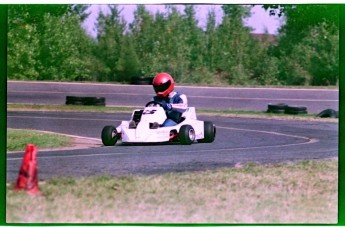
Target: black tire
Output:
[
  {"x": 89, "y": 101},
  {"x": 94, "y": 101},
  {"x": 276, "y": 108},
  {"x": 209, "y": 133},
  {"x": 74, "y": 103},
  {"x": 109, "y": 136},
  {"x": 74, "y": 100},
  {"x": 142, "y": 80},
  {"x": 186, "y": 135},
  {"x": 276, "y": 111},
  {"x": 296, "y": 110},
  {"x": 328, "y": 113}
]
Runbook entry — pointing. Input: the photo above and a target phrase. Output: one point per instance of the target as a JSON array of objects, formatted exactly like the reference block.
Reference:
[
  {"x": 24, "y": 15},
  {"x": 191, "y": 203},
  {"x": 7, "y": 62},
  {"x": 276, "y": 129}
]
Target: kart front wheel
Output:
[
  {"x": 109, "y": 136},
  {"x": 209, "y": 132},
  {"x": 186, "y": 135}
]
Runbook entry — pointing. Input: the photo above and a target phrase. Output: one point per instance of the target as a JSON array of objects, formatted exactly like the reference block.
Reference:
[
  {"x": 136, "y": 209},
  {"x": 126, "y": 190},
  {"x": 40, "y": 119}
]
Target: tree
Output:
[
  {"x": 128, "y": 65},
  {"x": 64, "y": 50},
  {"x": 80, "y": 10},
  {"x": 174, "y": 49},
  {"x": 23, "y": 52},
  {"x": 234, "y": 54},
  {"x": 308, "y": 44},
  {"x": 110, "y": 29},
  {"x": 211, "y": 41},
  {"x": 25, "y": 24},
  {"x": 145, "y": 39},
  {"x": 193, "y": 37},
  {"x": 34, "y": 14},
  {"x": 47, "y": 42},
  {"x": 315, "y": 59}
]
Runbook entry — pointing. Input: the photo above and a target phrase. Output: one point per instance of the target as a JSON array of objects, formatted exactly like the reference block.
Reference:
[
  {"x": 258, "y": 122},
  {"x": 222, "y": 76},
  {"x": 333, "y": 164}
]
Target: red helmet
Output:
[{"x": 163, "y": 84}]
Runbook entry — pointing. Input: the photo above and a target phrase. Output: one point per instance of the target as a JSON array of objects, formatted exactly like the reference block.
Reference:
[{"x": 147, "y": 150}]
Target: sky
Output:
[{"x": 260, "y": 20}]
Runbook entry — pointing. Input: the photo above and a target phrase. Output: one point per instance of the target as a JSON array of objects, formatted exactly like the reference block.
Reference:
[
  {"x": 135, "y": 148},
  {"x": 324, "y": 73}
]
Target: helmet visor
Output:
[{"x": 162, "y": 87}]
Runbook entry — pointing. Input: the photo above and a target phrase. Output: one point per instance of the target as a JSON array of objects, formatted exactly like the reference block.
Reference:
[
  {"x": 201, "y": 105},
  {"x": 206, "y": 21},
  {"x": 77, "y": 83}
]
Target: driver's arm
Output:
[{"x": 181, "y": 104}]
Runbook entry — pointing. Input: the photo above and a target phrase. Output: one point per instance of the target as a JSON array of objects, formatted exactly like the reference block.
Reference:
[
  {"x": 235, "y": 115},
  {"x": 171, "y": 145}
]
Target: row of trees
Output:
[
  {"x": 47, "y": 42},
  {"x": 308, "y": 48}
]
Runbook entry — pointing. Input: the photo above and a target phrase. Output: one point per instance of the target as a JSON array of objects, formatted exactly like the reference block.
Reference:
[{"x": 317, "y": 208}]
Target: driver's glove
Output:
[{"x": 166, "y": 106}]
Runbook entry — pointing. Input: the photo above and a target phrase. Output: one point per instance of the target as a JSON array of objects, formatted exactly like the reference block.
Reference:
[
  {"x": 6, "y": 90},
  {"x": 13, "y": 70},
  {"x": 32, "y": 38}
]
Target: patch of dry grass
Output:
[
  {"x": 305, "y": 192},
  {"x": 17, "y": 139}
]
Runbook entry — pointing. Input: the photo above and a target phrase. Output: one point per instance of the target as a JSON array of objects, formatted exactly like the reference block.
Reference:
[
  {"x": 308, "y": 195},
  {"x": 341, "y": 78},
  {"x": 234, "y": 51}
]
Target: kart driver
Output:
[{"x": 172, "y": 102}]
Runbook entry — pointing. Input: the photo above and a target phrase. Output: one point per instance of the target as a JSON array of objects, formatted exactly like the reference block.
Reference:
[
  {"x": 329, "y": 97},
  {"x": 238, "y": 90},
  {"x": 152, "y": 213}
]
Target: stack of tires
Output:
[
  {"x": 276, "y": 108},
  {"x": 87, "y": 101},
  {"x": 296, "y": 110},
  {"x": 141, "y": 80},
  {"x": 284, "y": 108}
]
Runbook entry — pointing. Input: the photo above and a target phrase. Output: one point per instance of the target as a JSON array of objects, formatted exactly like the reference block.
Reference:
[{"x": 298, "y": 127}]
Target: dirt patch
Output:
[{"x": 78, "y": 143}]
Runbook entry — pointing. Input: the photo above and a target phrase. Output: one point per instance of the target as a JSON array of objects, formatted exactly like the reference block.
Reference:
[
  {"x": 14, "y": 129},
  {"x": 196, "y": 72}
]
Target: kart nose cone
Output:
[{"x": 141, "y": 132}]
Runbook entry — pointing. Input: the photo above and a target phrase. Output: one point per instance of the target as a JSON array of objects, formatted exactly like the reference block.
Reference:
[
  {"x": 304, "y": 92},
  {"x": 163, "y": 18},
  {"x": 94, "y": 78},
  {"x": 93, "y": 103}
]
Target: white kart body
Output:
[{"x": 144, "y": 134}]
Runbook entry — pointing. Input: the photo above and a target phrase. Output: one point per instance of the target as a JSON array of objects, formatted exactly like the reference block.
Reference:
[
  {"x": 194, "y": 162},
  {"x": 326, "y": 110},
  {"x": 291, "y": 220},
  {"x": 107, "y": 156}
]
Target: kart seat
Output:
[
  {"x": 174, "y": 115},
  {"x": 181, "y": 120},
  {"x": 137, "y": 116}
]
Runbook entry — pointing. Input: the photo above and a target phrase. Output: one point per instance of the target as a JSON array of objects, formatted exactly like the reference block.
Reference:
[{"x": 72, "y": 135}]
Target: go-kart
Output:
[{"x": 144, "y": 127}]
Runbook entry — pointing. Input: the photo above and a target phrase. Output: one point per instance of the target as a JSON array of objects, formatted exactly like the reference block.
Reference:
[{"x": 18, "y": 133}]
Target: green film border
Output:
[
  {"x": 3, "y": 126},
  {"x": 3, "y": 112},
  {"x": 341, "y": 180}
]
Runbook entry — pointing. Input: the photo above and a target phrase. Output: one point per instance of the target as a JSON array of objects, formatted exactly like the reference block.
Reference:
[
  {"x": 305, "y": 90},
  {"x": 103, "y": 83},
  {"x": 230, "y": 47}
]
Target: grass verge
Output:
[
  {"x": 129, "y": 109},
  {"x": 17, "y": 139},
  {"x": 304, "y": 192}
]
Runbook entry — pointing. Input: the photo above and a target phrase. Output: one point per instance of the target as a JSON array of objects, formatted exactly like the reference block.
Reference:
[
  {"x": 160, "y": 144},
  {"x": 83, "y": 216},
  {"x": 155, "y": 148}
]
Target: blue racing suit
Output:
[{"x": 174, "y": 104}]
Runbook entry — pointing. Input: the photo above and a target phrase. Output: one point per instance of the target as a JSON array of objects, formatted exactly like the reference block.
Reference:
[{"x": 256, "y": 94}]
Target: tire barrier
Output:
[
  {"x": 276, "y": 108},
  {"x": 87, "y": 101},
  {"x": 328, "y": 113},
  {"x": 284, "y": 108},
  {"x": 142, "y": 80},
  {"x": 296, "y": 110}
]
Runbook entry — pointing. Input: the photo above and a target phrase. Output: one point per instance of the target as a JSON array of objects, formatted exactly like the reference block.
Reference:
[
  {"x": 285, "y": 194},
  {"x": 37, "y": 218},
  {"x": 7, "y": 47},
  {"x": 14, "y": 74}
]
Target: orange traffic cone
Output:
[{"x": 27, "y": 177}]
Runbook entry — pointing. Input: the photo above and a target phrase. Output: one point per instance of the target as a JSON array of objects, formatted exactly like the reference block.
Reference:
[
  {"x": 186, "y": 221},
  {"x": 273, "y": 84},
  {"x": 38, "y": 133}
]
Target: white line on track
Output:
[
  {"x": 69, "y": 135},
  {"x": 79, "y": 93},
  {"x": 308, "y": 141},
  {"x": 267, "y": 132},
  {"x": 65, "y": 118},
  {"x": 311, "y": 141},
  {"x": 191, "y": 96}
]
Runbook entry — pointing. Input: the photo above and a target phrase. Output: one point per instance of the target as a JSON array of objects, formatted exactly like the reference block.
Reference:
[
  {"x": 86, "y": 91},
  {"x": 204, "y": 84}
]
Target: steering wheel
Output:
[{"x": 153, "y": 103}]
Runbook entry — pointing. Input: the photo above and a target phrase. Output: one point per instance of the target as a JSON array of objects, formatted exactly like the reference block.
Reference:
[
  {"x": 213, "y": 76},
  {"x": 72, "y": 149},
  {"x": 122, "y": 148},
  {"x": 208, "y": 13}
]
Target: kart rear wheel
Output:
[
  {"x": 209, "y": 132},
  {"x": 109, "y": 136},
  {"x": 186, "y": 135}
]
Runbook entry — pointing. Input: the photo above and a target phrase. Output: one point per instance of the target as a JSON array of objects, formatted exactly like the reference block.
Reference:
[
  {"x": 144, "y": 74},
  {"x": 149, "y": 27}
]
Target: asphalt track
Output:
[
  {"x": 216, "y": 98},
  {"x": 238, "y": 141}
]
